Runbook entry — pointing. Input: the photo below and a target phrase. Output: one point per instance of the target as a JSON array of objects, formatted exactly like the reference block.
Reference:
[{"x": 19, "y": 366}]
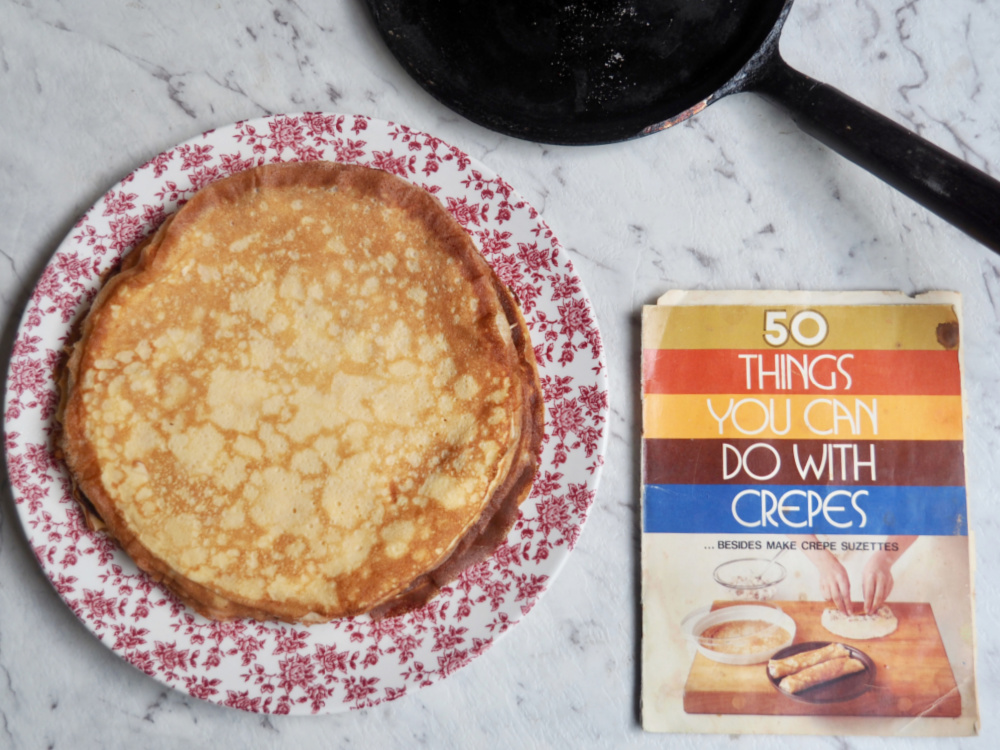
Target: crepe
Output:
[
  {"x": 307, "y": 396},
  {"x": 879, "y": 624},
  {"x": 820, "y": 673},
  {"x": 778, "y": 668},
  {"x": 744, "y": 637}
]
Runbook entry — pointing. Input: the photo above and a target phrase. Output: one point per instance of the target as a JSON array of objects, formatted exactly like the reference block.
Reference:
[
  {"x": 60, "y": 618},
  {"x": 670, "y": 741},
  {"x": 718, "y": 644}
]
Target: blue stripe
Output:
[{"x": 756, "y": 509}]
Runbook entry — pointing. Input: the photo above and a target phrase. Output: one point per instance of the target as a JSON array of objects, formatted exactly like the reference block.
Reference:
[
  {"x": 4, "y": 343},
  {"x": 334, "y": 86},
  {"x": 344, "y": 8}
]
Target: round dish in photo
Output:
[
  {"x": 739, "y": 634},
  {"x": 750, "y": 578},
  {"x": 837, "y": 690}
]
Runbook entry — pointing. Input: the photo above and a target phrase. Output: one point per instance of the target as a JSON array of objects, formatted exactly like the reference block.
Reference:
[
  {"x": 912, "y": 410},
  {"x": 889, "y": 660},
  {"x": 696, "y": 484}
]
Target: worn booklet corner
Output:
[{"x": 806, "y": 556}]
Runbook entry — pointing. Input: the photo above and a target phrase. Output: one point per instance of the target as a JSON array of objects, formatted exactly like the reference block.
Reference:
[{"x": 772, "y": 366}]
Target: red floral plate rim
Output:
[{"x": 350, "y": 663}]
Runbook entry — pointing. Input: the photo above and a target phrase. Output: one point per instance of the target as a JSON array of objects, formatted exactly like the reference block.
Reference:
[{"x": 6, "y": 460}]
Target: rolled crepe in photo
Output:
[
  {"x": 820, "y": 673},
  {"x": 779, "y": 668}
]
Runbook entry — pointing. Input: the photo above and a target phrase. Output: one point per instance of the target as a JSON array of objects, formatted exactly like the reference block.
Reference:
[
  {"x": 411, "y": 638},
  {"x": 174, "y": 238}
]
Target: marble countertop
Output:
[{"x": 736, "y": 197}]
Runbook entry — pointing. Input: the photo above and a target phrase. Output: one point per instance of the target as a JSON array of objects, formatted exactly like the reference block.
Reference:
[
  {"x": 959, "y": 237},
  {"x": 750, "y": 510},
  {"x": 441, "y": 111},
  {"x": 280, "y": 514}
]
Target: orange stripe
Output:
[
  {"x": 815, "y": 416},
  {"x": 904, "y": 373}
]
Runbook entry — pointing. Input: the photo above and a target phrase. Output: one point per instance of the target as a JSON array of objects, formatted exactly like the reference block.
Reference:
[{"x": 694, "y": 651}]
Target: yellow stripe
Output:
[
  {"x": 803, "y": 417},
  {"x": 850, "y": 327}
]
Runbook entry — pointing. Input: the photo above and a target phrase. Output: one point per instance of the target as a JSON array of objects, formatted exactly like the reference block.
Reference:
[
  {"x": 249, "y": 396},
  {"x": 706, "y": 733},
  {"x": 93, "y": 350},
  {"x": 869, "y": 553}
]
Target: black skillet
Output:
[{"x": 596, "y": 71}]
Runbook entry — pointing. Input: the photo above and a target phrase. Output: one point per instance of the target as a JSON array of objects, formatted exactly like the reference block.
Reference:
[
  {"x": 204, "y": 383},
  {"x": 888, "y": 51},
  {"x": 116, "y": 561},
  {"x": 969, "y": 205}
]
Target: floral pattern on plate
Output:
[{"x": 350, "y": 663}]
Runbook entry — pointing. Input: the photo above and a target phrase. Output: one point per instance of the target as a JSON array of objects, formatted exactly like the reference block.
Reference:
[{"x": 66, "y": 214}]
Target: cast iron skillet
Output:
[{"x": 597, "y": 71}]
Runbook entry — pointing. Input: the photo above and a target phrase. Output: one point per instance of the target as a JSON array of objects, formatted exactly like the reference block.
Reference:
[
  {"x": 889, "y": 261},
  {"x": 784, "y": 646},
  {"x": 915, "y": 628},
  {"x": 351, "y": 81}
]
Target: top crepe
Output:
[
  {"x": 860, "y": 627},
  {"x": 307, "y": 396}
]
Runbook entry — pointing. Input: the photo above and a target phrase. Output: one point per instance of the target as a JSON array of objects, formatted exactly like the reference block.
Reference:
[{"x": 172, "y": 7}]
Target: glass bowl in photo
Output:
[{"x": 752, "y": 579}]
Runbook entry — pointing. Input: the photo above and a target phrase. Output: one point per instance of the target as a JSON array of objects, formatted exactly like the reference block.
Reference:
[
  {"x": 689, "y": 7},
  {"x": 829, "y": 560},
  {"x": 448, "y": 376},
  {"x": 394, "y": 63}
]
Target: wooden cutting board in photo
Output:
[{"x": 911, "y": 673}]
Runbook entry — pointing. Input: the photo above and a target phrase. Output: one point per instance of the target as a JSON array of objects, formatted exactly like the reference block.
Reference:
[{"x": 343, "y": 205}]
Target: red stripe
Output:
[{"x": 903, "y": 373}]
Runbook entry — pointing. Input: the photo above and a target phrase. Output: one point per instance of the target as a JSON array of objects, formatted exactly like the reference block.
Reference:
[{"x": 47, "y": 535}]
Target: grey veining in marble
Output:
[{"x": 736, "y": 197}]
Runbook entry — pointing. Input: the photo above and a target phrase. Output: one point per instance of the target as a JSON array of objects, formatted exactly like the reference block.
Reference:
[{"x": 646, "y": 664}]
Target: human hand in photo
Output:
[
  {"x": 876, "y": 578},
  {"x": 835, "y": 585},
  {"x": 876, "y": 581}
]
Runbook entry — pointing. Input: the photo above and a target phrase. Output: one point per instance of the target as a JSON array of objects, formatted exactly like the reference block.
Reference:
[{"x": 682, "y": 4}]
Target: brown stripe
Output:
[{"x": 914, "y": 463}]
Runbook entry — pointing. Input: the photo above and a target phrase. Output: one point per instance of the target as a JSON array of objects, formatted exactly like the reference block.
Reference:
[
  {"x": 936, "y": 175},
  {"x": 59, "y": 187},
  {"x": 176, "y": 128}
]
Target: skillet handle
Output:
[{"x": 941, "y": 182}]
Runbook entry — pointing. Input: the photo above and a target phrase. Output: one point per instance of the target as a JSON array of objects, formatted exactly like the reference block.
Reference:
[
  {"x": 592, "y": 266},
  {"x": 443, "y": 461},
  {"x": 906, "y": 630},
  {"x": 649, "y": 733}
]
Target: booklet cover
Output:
[{"x": 806, "y": 558}]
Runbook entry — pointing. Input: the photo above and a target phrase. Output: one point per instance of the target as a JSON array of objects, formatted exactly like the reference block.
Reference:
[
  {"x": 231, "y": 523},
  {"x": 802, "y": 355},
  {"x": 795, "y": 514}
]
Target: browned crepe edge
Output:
[
  {"x": 499, "y": 517},
  {"x": 500, "y": 511},
  {"x": 69, "y": 370}
]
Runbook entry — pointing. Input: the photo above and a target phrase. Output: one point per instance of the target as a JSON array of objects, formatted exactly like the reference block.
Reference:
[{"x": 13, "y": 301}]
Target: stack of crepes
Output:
[
  {"x": 306, "y": 396},
  {"x": 809, "y": 669}
]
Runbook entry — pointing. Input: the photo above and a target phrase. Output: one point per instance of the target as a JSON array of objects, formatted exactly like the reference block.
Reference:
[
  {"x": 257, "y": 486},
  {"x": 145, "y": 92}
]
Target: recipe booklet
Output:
[{"x": 806, "y": 553}]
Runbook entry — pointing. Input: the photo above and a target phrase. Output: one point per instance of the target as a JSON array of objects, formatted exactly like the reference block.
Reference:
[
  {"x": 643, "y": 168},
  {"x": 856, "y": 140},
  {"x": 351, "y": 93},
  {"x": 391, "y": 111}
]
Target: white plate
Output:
[
  {"x": 351, "y": 663},
  {"x": 696, "y": 623}
]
